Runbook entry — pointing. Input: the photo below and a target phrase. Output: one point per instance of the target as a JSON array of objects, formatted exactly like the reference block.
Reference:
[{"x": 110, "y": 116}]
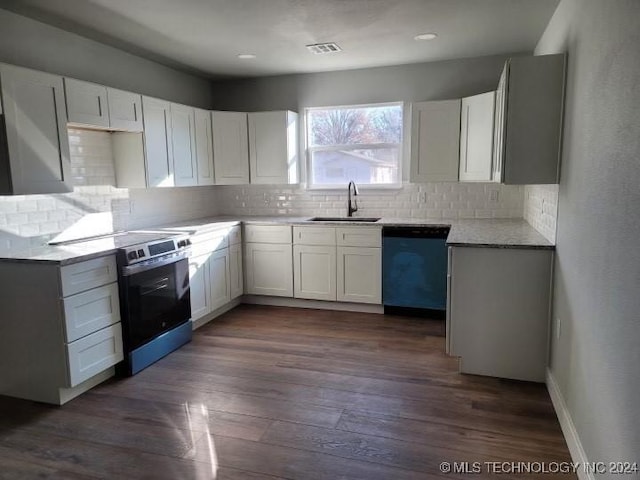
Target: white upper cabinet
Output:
[
  {"x": 529, "y": 120},
  {"x": 476, "y": 137},
  {"x": 93, "y": 105},
  {"x": 435, "y": 141},
  {"x": 230, "y": 148},
  {"x": 157, "y": 142},
  {"x": 87, "y": 103},
  {"x": 125, "y": 110},
  {"x": 273, "y": 147},
  {"x": 36, "y": 159},
  {"x": 204, "y": 147},
  {"x": 183, "y": 140}
]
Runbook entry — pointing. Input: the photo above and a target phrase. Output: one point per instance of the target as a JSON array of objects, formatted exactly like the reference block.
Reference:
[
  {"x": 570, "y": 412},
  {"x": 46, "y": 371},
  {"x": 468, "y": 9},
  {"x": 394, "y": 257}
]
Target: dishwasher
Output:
[{"x": 414, "y": 270}]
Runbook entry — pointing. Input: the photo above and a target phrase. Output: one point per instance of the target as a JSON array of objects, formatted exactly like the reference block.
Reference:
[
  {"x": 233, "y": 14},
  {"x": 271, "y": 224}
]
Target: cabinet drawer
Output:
[
  {"x": 314, "y": 235},
  {"x": 87, "y": 275},
  {"x": 359, "y": 236},
  {"x": 267, "y": 233},
  {"x": 89, "y": 311},
  {"x": 94, "y": 353},
  {"x": 235, "y": 235},
  {"x": 209, "y": 242}
]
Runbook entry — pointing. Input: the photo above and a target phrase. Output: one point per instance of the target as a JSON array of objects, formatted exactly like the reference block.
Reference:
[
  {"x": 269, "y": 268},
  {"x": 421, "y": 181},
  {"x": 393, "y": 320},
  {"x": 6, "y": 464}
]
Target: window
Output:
[{"x": 359, "y": 143}]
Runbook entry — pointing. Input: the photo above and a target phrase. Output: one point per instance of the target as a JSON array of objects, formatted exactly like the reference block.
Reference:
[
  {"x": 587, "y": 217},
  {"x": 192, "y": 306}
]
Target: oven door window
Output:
[{"x": 158, "y": 300}]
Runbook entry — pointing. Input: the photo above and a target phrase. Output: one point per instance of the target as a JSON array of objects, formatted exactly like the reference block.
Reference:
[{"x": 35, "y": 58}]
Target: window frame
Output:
[{"x": 308, "y": 150}]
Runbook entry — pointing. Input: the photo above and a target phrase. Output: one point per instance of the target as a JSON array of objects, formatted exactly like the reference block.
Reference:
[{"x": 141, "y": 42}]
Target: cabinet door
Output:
[
  {"x": 235, "y": 271},
  {"x": 272, "y": 147},
  {"x": 86, "y": 103},
  {"x": 230, "y": 148},
  {"x": 199, "y": 286},
  {"x": 183, "y": 139},
  {"x": 314, "y": 272},
  {"x": 435, "y": 141},
  {"x": 359, "y": 275},
  {"x": 157, "y": 142},
  {"x": 36, "y": 131},
  {"x": 269, "y": 269},
  {"x": 204, "y": 147},
  {"x": 219, "y": 278},
  {"x": 476, "y": 137},
  {"x": 125, "y": 110}
]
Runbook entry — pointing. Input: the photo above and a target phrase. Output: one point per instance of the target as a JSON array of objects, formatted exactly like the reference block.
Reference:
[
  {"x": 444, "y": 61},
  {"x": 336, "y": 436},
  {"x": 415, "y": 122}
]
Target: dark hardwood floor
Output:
[{"x": 270, "y": 393}]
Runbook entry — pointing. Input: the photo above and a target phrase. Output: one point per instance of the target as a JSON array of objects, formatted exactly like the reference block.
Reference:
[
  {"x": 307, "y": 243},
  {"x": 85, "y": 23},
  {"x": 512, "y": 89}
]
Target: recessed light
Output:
[
  {"x": 246, "y": 56},
  {"x": 426, "y": 36}
]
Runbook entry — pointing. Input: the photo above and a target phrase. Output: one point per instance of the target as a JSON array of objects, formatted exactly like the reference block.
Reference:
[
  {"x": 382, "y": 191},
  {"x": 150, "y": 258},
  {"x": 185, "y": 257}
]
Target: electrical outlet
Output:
[
  {"x": 422, "y": 197},
  {"x": 494, "y": 195},
  {"x": 558, "y": 328}
]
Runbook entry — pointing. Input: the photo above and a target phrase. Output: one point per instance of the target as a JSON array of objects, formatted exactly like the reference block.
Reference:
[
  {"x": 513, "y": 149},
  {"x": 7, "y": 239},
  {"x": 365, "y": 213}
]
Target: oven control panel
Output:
[{"x": 157, "y": 248}]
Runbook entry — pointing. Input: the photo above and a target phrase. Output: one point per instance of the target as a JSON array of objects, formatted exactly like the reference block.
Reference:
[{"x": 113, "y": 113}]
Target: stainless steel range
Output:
[{"x": 155, "y": 301}]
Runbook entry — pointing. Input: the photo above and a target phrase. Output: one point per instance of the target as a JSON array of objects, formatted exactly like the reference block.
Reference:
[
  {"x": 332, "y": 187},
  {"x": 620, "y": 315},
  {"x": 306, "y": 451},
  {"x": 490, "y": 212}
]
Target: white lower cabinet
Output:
[
  {"x": 67, "y": 337},
  {"x": 199, "y": 286},
  {"x": 359, "y": 275},
  {"x": 498, "y": 312},
  {"x": 269, "y": 269},
  {"x": 314, "y": 272},
  {"x": 219, "y": 278},
  {"x": 215, "y": 270},
  {"x": 236, "y": 276}
]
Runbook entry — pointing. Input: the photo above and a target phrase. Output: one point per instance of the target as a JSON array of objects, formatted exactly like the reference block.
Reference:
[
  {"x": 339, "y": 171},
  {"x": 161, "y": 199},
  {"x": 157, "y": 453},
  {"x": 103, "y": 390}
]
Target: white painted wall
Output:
[
  {"x": 36, "y": 45},
  {"x": 596, "y": 360}
]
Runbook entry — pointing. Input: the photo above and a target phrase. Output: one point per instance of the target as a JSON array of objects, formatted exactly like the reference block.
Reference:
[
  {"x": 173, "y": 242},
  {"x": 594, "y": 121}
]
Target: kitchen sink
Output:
[{"x": 344, "y": 219}]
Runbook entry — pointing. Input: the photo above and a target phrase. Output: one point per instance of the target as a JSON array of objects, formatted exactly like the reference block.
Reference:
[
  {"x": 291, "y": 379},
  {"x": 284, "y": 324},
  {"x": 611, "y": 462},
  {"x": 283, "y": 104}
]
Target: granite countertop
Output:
[{"x": 496, "y": 233}]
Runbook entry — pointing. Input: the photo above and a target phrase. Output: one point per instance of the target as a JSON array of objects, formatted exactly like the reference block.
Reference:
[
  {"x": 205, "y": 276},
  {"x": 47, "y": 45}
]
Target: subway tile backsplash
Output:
[
  {"x": 426, "y": 200},
  {"x": 541, "y": 209}
]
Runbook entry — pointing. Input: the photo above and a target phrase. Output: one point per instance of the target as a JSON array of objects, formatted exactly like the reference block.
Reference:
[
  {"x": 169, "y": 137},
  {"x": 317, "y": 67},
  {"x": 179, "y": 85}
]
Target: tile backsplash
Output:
[
  {"x": 541, "y": 209},
  {"x": 426, "y": 200}
]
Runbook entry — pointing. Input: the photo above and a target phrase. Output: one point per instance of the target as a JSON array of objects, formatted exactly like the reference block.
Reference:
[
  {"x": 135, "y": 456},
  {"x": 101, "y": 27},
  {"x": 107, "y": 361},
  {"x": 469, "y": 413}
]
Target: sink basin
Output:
[{"x": 344, "y": 219}]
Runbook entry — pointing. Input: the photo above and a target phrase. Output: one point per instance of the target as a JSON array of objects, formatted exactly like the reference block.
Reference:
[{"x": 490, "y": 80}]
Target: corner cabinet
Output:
[
  {"x": 230, "y": 148},
  {"x": 273, "y": 147},
  {"x": 476, "y": 138},
  {"x": 498, "y": 311},
  {"x": 435, "y": 141},
  {"x": 34, "y": 147},
  {"x": 528, "y": 122}
]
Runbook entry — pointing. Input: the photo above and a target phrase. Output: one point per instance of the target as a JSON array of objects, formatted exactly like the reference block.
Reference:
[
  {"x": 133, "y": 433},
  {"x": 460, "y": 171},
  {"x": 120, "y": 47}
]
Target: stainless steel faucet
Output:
[{"x": 352, "y": 207}]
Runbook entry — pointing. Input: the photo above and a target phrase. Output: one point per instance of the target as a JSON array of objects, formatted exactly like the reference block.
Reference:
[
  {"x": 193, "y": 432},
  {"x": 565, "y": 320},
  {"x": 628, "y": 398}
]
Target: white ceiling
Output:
[{"x": 206, "y": 35}]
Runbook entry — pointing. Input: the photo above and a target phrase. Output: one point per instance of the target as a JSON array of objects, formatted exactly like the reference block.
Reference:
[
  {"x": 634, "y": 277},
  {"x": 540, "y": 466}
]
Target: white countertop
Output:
[{"x": 494, "y": 233}]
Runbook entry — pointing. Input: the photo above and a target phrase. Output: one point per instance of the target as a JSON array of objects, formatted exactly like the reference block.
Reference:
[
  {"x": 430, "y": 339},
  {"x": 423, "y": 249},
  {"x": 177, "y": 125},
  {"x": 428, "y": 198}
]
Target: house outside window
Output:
[{"x": 362, "y": 143}]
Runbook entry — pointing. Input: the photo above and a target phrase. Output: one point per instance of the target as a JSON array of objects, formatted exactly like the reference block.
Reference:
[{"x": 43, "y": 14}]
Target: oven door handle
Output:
[{"x": 127, "y": 271}]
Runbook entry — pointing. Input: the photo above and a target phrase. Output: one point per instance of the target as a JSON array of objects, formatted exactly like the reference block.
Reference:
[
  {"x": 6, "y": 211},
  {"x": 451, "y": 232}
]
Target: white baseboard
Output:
[
  {"x": 578, "y": 454},
  {"x": 316, "y": 304}
]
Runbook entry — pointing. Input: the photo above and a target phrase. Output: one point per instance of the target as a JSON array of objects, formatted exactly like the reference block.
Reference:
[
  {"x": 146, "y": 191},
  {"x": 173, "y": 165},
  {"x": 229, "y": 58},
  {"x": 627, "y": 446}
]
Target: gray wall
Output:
[
  {"x": 413, "y": 83},
  {"x": 596, "y": 360},
  {"x": 36, "y": 45}
]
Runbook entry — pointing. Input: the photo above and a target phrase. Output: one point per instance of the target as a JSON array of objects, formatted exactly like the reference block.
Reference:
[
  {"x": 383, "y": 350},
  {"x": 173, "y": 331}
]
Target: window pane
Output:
[
  {"x": 347, "y": 126},
  {"x": 362, "y": 165}
]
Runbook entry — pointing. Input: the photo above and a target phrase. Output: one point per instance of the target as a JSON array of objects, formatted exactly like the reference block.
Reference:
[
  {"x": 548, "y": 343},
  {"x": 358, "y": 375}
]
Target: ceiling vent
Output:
[{"x": 322, "y": 48}]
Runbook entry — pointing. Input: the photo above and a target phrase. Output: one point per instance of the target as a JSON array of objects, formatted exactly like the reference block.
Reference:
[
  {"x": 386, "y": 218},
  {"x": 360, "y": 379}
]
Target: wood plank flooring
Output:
[{"x": 280, "y": 393}]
